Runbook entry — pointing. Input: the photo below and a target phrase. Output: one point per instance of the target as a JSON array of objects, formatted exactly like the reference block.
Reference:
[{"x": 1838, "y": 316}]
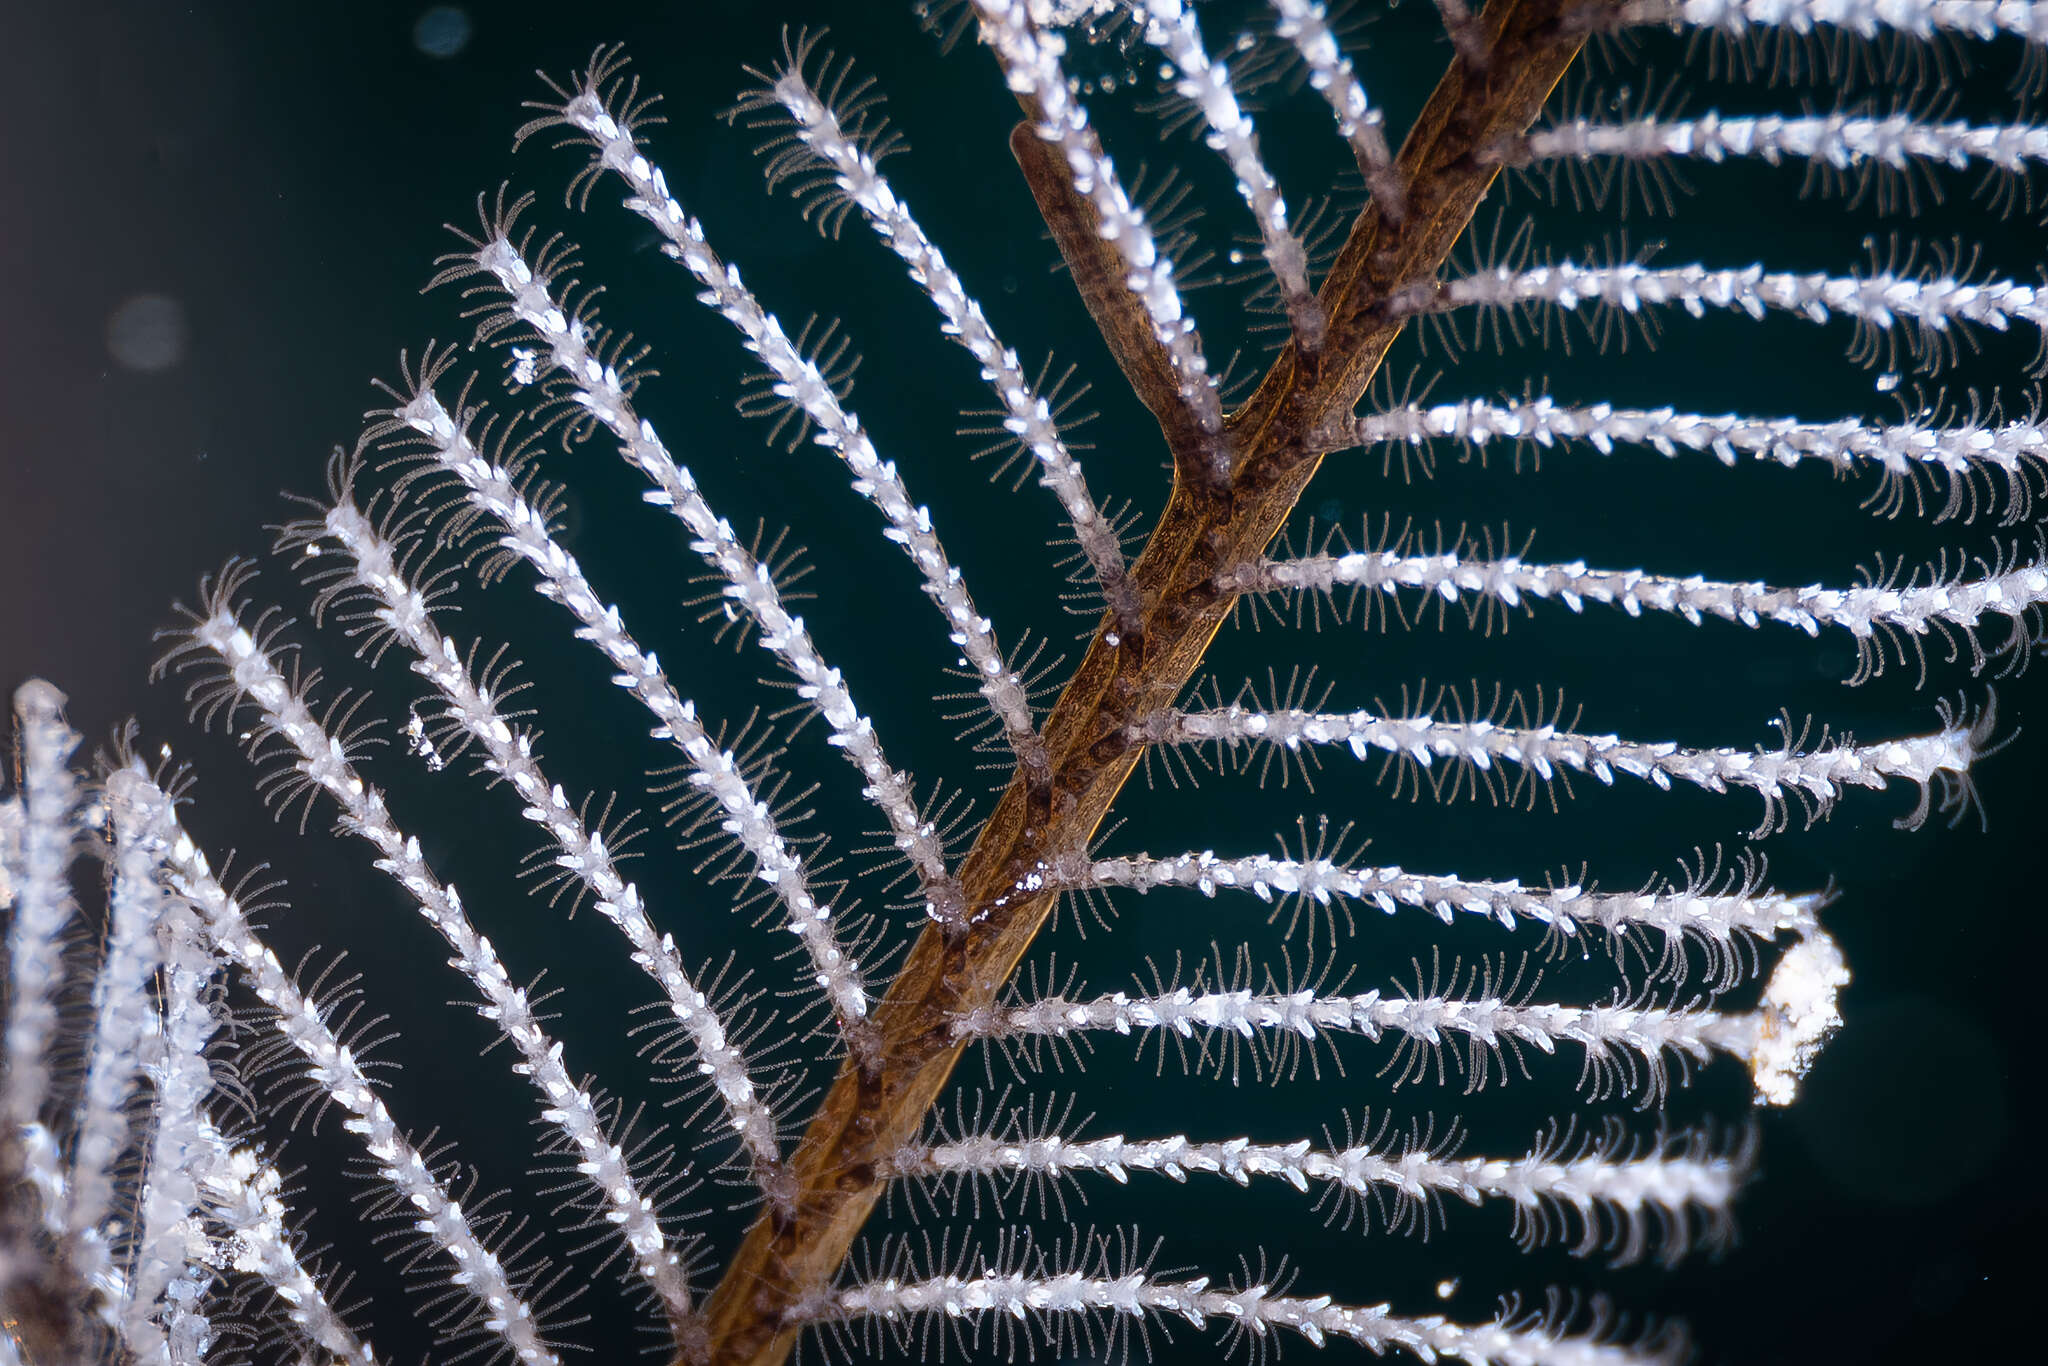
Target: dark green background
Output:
[{"x": 281, "y": 171}]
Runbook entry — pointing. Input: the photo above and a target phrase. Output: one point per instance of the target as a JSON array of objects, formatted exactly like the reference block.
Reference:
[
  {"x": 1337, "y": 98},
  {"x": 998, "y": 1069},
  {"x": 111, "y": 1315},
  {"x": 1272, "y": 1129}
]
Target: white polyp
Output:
[
  {"x": 1170, "y": 26},
  {"x": 597, "y": 388},
  {"x": 1981, "y": 19},
  {"x": 1837, "y": 140},
  {"x": 1030, "y": 59},
  {"x": 1798, "y": 1014},
  {"x": 1963, "y": 604},
  {"x": 566, "y": 1105},
  {"x": 523, "y": 532},
  {"x": 1819, "y": 775},
  {"x": 838, "y": 429},
  {"x": 1255, "y": 1309},
  {"x": 42, "y": 841},
  {"x": 1881, "y": 299},
  {"x": 241, "y": 1190},
  {"x": 1026, "y": 413},
  {"x": 1305, "y": 24},
  {"x": 1675, "y": 913},
  {"x": 374, "y": 566},
  {"x": 334, "y": 1068}
]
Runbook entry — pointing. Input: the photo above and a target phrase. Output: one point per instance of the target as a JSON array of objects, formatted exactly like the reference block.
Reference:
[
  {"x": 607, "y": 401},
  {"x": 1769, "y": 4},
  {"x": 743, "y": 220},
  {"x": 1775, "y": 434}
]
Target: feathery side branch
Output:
[
  {"x": 1817, "y": 776},
  {"x": 322, "y": 760},
  {"x": 521, "y": 530},
  {"x": 1631, "y": 1042},
  {"x": 1616, "y": 1197},
  {"x": 1933, "y": 605},
  {"x": 827, "y": 141},
  {"x": 1837, "y": 140},
  {"x": 1634, "y": 1041},
  {"x": 330, "y": 1063},
  {"x": 838, "y": 429},
  {"x": 1198, "y": 536},
  {"x": 1363, "y": 127},
  {"x": 1694, "y": 913},
  {"x": 1982, "y": 19},
  {"x": 1254, "y": 1310},
  {"x": 1962, "y": 455},
  {"x": 1170, "y": 26},
  {"x": 1881, "y": 300},
  {"x": 374, "y": 567},
  {"x": 1125, "y": 281}
]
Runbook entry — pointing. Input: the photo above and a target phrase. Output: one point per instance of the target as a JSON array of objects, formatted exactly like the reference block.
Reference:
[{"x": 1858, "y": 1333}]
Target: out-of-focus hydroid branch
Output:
[
  {"x": 303, "y": 1021},
  {"x": 162, "y": 1310},
  {"x": 241, "y": 1190},
  {"x": 46, "y": 834}
]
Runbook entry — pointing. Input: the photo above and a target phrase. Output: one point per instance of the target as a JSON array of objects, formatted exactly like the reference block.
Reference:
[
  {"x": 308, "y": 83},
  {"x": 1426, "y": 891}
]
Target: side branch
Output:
[
  {"x": 757, "y": 1311},
  {"x": 1119, "y": 315}
]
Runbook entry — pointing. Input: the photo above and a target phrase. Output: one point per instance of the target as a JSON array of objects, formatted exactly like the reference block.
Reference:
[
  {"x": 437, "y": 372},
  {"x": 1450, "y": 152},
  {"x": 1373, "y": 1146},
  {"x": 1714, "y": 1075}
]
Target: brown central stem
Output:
[{"x": 1206, "y": 530}]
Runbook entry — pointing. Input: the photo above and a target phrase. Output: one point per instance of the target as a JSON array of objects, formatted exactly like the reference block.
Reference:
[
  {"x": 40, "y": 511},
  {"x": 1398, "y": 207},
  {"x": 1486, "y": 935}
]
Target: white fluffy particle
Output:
[{"x": 1798, "y": 1015}]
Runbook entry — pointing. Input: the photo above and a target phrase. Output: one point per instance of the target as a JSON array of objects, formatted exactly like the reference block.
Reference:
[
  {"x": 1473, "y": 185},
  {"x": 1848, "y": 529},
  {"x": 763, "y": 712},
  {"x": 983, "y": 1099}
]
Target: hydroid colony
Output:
[{"x": 148, "y": 1208}]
